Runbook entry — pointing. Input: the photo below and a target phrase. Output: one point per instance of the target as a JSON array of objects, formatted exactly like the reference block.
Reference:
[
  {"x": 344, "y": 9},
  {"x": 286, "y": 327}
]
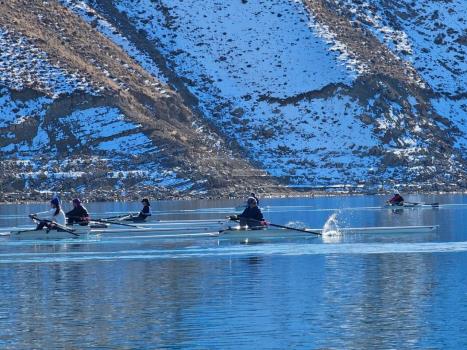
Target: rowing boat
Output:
[
  {"x": 161, "y": 228},
  {"x": 221, "y": 230},
  {"x": 181, "y": 223},
  {"x": 157, "y": 230},
  {"x": 51, "y": 234},
  {"x": 238, "y": 232},
  {"x": 159, "y": 223},
  {"x": 411, "y": 205}
]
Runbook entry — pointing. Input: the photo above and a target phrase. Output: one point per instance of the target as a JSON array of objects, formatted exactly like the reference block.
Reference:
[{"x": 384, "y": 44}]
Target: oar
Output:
[
  {"x": 436, "y": 204},
  {"x": 61, "y": 227},
  {"x": 114, "y": 223},
  {"x": 118, "y": 217},
  {"x": 286, "y": 227}
]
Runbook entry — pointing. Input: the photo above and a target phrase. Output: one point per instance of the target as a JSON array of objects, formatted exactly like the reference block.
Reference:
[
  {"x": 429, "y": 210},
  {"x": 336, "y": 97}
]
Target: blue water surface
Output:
[{"x": 355, "y": 291}]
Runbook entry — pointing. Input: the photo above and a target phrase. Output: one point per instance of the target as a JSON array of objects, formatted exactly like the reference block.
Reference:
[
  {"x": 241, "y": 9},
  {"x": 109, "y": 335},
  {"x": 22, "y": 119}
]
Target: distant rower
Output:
[
  {"x": 143, "y": 214},
  {"x": 78, "y": 214},
  {"x": 251, "y": 216},
  {"x": 396, "y": 199}
]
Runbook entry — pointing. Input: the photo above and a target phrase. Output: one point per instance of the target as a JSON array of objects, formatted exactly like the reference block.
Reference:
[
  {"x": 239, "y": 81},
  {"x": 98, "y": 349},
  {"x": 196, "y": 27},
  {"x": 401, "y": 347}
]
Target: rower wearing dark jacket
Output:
[
  {"x": 251, "y": 216},
  {"x": 143, "y": 214},
  {"x": 396, "y": 199},
  {"x": 78, "y": 214}
]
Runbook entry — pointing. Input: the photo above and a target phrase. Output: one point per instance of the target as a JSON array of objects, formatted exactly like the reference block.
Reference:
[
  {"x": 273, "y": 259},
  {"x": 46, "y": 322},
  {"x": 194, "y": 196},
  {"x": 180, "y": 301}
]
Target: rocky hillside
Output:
[
  {"x": 209, "y": 97},
  {"x": 79, "y": 113}
]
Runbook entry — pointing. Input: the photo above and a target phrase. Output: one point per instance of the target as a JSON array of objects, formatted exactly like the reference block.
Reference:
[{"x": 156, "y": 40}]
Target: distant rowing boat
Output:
[{"x": 412, "y": 205}]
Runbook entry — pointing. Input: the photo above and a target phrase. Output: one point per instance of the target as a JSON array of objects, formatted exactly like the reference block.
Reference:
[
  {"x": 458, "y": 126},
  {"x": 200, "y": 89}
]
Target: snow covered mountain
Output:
[{"x": 219, "y": 96}]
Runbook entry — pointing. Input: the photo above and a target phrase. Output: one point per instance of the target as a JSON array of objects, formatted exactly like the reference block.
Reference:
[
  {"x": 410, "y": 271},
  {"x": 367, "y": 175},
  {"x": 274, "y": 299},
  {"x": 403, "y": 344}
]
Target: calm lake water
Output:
[{"x": 350, "y": 292}]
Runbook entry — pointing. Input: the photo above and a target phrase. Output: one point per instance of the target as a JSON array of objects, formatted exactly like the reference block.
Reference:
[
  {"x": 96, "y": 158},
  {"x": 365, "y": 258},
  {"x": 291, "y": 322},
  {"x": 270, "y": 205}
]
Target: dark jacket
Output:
[
  {"x": 396, "y": 199},
  {"x": 77, "y": 212},
  {"x": 252, "y": 213},
  {"x": 143, "y": 214}
]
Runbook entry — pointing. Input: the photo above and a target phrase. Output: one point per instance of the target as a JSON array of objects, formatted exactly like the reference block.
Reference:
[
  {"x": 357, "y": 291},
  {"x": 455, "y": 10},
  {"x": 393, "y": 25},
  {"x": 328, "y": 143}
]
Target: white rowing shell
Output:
[{"x": 232, "y": 232}]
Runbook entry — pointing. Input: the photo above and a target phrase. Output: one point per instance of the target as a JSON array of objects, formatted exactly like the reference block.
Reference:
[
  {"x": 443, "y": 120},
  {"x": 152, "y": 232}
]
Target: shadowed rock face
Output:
[{"x": 213, "y": 98}]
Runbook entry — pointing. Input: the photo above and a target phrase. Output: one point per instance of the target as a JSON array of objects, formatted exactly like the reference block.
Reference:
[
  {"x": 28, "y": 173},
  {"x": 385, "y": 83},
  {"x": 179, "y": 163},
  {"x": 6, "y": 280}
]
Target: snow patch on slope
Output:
[
  {"x": 95, "y": 123},
  {"x": 457, "y": 111},
  {"x": 270, "y": 39},
  {"x": 22, "y": 65},
  {"x": 234, "y": 53},
  {"x": 431, "y": 35},
  {"x": 104, "y": 27},
  {"x": 17, "y": 111},
  {"x": 118, "y": 144}
]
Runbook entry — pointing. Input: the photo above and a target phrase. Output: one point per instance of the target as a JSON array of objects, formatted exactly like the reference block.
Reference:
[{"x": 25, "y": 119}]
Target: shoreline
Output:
[{"x": 65, "y": 197}]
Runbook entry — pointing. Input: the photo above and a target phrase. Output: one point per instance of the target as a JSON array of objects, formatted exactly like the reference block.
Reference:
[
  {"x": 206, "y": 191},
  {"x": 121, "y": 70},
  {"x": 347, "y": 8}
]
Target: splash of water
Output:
[
  {"x": 331, "y": 227},
  {"x": 297, "y": 224}
]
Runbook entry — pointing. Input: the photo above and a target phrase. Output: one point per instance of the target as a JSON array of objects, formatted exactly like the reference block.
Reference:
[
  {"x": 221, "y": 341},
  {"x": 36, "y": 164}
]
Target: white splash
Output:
[
  {"x": 331, "y": 227},
  {"x": 297, "y": 224}
]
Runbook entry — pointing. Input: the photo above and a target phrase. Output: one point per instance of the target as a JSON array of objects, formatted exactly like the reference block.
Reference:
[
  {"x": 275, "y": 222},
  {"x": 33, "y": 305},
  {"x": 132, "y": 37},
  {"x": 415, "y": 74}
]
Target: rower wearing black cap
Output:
[
  {"x": 143, "y": 214},
  {"x": 251, "y": 216}
]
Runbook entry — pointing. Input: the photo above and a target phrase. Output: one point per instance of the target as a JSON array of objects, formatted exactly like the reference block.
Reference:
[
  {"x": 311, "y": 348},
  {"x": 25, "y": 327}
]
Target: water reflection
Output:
[
  {"x": 363, "y": 292},
  {"x": 381, "y": 301}
]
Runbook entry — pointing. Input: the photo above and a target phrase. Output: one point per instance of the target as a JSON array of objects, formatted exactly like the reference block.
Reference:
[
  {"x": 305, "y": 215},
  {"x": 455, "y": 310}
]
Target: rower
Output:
[
  {"x": 55, "y": 214},
  {"x": 78, "y": 214},
  {"x": 396, "y": 199},
  {"x": 251, "y": 216},
  {"x": 143, "y": 214},
  {"x": 253, "y": 195}
]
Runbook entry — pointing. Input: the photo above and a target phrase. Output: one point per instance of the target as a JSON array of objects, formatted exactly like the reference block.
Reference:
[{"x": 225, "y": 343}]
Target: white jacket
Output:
[{"x": 49, "y": 215}]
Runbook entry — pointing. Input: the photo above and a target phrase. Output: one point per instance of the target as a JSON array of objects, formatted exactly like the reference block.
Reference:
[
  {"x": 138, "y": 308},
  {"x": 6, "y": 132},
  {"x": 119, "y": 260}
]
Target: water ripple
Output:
[{"x": 284, "y": 249}]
